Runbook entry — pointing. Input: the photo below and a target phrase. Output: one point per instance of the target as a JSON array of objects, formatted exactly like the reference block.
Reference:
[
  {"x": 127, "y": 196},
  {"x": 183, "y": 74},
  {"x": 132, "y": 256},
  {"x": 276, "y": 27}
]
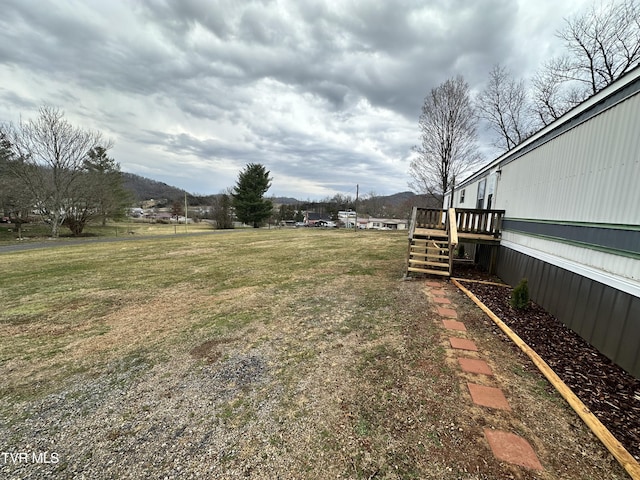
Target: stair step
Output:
[
  {"x": 433, "y": 235},
  {"x": 428, "y": 241},
  {"x": 430, "y": 264},
  {"x": 429, "y": 271},
  {"x": 430, "y": 247},
  {"x": 428, "y": 255}
]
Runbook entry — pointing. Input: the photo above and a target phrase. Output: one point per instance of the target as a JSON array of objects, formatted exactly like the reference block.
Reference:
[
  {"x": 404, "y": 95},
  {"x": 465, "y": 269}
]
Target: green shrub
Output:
[{"x": 520, "y": 296}]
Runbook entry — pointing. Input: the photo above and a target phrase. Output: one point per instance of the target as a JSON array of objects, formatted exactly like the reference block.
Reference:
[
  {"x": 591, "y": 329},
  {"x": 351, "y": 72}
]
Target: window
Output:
[
  {"x": 462, "y": 196},
  {"x": 481, "y": 188}
]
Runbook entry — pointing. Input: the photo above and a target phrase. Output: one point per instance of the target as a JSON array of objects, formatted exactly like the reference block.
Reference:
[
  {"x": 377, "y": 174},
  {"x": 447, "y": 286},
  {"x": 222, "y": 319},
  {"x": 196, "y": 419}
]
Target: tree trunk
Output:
[{"x": 55, "y": 225}]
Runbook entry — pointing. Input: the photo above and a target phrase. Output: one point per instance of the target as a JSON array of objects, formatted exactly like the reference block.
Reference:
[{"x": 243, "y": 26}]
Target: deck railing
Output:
[
  {"x": 487, "y": 222},
  {"x": 430, "y": 218},
  {"x": 477, "y": 221}
]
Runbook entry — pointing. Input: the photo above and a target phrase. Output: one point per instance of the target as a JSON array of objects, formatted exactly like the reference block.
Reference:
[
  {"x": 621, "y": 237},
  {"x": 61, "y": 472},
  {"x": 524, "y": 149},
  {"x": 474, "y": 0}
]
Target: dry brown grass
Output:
[{"x": 267, "y": 354}]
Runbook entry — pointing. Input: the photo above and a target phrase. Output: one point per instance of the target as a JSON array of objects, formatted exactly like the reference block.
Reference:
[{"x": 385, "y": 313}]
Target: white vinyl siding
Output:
[{"x": 589, "y": 174}]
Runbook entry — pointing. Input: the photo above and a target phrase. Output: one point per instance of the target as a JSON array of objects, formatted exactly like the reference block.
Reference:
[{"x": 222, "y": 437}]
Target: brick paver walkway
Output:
[{"x": 506, "y": 446}]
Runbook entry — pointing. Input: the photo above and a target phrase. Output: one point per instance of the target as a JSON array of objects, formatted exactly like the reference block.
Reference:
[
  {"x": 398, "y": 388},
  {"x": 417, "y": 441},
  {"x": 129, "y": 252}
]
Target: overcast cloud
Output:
[{"x": 325, "y": 94}]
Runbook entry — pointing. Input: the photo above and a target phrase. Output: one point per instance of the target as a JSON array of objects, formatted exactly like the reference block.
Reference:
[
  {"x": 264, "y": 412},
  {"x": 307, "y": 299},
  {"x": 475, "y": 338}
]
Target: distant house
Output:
[
  {"x": 347, "y": 218},
  {"x": 311, "y": 218},
  {"x": 161, "y": 216},
  {"x": 386, "y": 224}
]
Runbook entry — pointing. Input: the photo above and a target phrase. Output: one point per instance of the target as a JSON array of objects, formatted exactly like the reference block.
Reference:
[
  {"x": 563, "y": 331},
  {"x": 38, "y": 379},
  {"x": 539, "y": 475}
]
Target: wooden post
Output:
[
  {"x": 453, "y": 236},
  {"x": 493, "y": 260},
  {"x": 412, "y": 227}
]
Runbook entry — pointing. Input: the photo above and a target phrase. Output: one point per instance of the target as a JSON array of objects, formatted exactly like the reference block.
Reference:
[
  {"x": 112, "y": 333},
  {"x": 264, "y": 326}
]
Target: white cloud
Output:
[{"x": 324, "y": 94}]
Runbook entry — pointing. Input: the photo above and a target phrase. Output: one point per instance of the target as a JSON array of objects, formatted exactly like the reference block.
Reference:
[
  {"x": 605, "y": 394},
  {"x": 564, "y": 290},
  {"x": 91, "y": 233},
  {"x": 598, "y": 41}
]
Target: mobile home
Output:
[{"x": 571, "y": 197}]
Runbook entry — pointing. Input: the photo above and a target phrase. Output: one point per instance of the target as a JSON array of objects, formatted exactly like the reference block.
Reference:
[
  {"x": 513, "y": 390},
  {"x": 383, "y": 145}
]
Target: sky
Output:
[{"x": 325, "y": 94}]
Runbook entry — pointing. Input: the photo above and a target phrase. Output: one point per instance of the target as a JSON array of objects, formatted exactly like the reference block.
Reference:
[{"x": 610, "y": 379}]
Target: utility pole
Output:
[
  {"x": 186, "y": 213},
  {"x": 355, "y": 226}
]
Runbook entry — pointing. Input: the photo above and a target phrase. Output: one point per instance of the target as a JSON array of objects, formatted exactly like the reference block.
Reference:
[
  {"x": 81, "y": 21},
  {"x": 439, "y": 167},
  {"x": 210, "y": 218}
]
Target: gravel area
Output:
[{"x": 140, "y": 421}]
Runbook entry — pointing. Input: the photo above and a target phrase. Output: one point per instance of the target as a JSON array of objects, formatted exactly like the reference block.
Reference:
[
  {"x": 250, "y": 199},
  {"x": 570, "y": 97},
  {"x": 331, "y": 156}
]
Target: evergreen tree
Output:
[
  {"x": 250, "y": 206},
  {"x": 112, "y": 199}
]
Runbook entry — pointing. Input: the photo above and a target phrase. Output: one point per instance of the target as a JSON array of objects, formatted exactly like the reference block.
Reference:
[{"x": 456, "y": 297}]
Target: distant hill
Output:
[
  {"x": 399, "y": 198},
  {"x": 404, "y": 198},
  {"x": 143, "y": 188},
  {"x": 284, "y": 200},
  {"x": 394, "y": 200}
]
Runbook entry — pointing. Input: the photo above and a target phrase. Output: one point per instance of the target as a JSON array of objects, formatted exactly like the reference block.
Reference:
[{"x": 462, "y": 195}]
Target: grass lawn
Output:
[
  {"x": 99, "y": 302},
  {"x": 38, "y": 231},
  {"x": 258, "y": 354}
]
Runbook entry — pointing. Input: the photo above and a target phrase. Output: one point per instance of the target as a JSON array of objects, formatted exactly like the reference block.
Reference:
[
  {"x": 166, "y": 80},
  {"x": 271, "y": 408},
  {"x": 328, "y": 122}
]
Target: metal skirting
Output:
[{"x": 607, "y": 318}]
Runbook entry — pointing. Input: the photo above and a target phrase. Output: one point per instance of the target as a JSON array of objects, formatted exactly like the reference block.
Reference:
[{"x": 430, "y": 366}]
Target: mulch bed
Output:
[{"x": 609, "y": 392}]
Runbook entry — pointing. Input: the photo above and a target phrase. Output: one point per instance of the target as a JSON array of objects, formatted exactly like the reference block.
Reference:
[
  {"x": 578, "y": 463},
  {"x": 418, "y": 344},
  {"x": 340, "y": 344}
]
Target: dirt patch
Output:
[{"x": 209, "y": 350}]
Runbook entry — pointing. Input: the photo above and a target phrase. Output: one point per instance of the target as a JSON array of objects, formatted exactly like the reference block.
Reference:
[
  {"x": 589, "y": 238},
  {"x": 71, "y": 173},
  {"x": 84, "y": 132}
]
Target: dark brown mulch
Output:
[{"x": 609, "y": 392}]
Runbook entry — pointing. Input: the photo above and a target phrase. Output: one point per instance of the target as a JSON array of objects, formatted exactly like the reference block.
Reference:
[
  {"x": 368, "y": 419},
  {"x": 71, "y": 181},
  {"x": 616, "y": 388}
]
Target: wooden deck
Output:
[
  {"x": 478, "y": 238},
  {"x": 463, "y": 237},
  {"x": 434, "y": 234}
]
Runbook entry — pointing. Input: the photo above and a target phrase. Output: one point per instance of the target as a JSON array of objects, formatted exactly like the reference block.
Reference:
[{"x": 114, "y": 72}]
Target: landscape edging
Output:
[{"x": 604, "y": 435}]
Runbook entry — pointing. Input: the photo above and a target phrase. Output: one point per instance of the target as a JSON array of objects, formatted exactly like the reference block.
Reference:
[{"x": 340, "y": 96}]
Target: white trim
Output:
[{"x": 614, "y": 281}]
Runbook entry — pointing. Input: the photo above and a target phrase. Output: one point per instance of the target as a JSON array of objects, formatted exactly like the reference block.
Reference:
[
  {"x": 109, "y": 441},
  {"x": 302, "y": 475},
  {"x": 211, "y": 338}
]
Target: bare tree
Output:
[
  {"x": 51, "y": 154},
  {"x": 448, "y": 130},
  {"x": 373, "y": 205},
  {"x": 602, "y": 44},
  {"x": 505, "y": 107},
  {"x": 222, "y": 209}
]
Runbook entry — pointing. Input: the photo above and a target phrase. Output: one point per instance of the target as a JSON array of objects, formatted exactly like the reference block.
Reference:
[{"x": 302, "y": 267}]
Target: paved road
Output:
[{"x": 66, "y": 242}]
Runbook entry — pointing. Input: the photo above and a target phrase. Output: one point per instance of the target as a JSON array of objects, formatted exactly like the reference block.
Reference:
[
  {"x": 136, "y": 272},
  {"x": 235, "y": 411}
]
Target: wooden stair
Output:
[
  {"x": 431, "y": 244},
  {"x": 429, "y": 254},
  {"x": 434, "y": 234}
]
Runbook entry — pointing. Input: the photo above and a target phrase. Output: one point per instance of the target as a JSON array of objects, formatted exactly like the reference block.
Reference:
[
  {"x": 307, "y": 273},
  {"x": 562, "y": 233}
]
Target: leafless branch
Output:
[
  {"x": 602, "y": 44},
  {"x": 448, "y": 131},
  {"x": 504, "y": 105}
]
